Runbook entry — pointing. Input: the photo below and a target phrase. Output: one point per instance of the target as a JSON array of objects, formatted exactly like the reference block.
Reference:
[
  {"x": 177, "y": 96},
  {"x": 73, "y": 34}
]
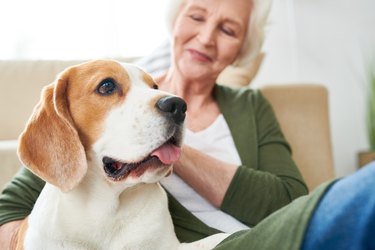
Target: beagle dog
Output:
[{"x": 102, "y": 137}]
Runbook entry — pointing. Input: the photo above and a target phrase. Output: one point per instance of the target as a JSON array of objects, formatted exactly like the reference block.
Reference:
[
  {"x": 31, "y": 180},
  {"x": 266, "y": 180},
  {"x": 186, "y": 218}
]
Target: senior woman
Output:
[{"x": 236, "y": 167}]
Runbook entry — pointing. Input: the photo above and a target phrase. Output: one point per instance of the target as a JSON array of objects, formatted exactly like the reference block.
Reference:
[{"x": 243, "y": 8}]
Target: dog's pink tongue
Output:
[{"x": 167, "y": 153}]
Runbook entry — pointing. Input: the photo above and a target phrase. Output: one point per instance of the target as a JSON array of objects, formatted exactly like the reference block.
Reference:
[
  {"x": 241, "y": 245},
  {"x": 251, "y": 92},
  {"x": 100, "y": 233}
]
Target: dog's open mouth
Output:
[{"x": 165, "y": 155}]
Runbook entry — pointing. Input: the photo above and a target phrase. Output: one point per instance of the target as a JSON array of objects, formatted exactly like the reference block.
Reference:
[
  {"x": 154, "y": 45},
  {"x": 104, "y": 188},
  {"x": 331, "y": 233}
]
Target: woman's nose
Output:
[{"x": 207, "y": 34}]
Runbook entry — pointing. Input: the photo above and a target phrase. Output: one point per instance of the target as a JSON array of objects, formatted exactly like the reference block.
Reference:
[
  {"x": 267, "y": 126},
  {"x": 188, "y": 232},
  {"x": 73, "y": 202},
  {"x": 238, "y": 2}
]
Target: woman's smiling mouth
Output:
[{"x": 198, "y": 56}]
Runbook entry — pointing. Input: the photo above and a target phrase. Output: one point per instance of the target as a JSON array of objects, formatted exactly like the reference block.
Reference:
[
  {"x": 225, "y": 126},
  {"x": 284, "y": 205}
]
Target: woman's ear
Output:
[{"x": 50, "y": 145}]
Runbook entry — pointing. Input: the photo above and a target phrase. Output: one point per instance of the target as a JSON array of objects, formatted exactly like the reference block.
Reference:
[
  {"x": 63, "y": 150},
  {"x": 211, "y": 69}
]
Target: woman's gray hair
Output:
[{"x": 255, "y": 34}]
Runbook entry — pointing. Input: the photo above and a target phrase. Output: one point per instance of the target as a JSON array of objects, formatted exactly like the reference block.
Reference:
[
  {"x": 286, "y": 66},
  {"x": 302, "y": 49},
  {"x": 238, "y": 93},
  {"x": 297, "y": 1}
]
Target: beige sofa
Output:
[{"x": 302, "y": 110}]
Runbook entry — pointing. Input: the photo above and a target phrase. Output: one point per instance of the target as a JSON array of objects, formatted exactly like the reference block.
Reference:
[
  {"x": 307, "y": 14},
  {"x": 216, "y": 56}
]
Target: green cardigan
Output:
[{"x": 267, "y": 180}]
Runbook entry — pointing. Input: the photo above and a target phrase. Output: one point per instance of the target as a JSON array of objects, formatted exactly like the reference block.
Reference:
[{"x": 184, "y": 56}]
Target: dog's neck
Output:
[
  {"x": 96, "y": 193},
  {"x": 97, "y": 205}
]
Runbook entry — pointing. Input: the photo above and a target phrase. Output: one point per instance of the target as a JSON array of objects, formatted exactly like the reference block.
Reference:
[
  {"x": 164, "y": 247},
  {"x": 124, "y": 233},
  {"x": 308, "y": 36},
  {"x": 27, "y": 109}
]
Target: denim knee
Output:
[{"x": 345, "y": 216}]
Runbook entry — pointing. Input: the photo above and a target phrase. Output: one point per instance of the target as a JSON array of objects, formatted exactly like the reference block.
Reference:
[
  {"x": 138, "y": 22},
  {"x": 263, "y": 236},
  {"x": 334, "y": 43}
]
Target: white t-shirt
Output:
[{"x": 216, "y": 141}]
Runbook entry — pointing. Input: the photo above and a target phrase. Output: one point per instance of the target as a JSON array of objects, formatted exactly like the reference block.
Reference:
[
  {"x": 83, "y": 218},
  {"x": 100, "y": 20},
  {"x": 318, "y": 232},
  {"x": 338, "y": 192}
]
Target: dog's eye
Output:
[
  {"x": 155, "y": 86},
  {"x": 106, "y": 87}
]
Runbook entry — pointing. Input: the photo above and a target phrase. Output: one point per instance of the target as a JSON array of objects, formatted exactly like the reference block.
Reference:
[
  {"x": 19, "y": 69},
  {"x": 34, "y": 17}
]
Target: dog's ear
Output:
[{"x": 50, "y": 145}]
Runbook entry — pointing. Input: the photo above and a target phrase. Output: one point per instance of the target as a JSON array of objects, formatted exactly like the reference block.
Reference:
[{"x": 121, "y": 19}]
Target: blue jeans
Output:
[{"x": 345, "y": 217}]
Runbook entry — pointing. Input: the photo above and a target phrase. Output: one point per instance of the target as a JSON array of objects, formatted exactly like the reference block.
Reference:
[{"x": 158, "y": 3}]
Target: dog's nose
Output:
[{"x": 173, "y": 107}]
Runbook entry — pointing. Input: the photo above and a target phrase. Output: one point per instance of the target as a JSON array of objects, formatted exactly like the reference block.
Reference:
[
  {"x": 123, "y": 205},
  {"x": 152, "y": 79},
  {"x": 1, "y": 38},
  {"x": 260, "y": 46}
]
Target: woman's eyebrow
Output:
[
  {"x": 196, "y": 7},
  {"x": 231, "y": 20}
]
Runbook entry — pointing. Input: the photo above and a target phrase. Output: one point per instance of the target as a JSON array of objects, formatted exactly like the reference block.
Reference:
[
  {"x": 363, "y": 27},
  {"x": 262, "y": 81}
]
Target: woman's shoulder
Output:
[{"x": 238, "y": 95}]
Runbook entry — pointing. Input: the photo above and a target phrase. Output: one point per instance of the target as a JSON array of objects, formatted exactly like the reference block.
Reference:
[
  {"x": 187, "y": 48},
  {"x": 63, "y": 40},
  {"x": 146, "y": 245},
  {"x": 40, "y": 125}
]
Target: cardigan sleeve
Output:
[
  {"x": 284, "y": 229},
  {"x": 271, "y": 179},
  {"x": 19, "y": 196}
]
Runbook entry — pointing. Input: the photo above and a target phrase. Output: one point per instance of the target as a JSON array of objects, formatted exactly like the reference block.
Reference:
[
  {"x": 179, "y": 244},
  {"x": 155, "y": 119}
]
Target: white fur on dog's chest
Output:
[{"x": 139, "y": 219}]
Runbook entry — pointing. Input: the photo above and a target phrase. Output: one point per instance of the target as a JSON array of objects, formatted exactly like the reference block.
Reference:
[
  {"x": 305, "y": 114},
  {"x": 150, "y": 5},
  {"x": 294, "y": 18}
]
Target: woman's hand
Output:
[
  {"x": 8, "y": 234},
  {"x": 210, "y": 177}
]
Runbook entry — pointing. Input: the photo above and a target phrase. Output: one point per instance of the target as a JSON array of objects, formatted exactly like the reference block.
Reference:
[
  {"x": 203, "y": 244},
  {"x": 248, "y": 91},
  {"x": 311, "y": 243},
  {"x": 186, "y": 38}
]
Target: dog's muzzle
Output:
[{"x": 173, "y": 109}]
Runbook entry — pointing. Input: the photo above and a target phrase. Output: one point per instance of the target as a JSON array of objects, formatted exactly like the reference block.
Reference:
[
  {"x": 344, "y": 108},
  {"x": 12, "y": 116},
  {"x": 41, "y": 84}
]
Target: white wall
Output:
[
  {"x": 330, "y": 42},
  {"x": 80, "y": 29}
]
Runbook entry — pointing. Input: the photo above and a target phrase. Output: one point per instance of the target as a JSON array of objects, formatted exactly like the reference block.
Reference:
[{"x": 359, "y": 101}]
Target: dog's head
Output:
[{"x": 108, "y": 113}]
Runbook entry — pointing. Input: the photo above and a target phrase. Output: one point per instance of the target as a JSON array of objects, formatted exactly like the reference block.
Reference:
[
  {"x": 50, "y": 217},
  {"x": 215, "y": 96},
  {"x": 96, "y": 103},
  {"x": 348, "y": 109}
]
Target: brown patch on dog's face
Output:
[
  {"x": 149, "y": 81},
  {"x": 94, "y": 89}
]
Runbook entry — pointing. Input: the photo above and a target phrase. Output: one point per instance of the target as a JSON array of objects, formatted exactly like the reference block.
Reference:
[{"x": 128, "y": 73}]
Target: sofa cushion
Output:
[
  {"x": 21, "y": 83},
  {"x": 10, "y": 163}
]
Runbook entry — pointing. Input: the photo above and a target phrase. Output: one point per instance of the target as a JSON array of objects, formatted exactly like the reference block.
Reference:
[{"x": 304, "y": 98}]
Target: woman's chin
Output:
[{"x": 197, "y": 71}]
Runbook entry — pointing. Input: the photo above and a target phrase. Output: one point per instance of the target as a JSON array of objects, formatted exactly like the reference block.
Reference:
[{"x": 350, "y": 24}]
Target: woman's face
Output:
[{"x": 208, "y": 35}]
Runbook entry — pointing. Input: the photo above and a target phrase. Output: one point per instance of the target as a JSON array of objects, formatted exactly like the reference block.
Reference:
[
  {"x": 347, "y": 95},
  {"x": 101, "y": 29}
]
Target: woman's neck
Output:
[
  {"x": 196, "y": 93},
  {"x": 198, "y": 96}
]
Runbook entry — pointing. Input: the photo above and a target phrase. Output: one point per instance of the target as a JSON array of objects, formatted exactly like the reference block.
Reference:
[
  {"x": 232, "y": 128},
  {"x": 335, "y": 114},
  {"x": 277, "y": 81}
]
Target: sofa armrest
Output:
[
  {"x": 303, "y": 113},
  {"x": 9, "y": 161}
]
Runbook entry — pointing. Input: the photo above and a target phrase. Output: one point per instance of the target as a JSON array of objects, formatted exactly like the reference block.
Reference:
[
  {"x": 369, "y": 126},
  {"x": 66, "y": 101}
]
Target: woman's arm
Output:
[
  {"x": 211, "y": 179},
  {"x": 8, "y": 234},
  {"x": 273, "y": 180},
  {"x": 16, "y": 202},
  {"x": 245, "y": 193},
  {"x": 19, "y": 196}
]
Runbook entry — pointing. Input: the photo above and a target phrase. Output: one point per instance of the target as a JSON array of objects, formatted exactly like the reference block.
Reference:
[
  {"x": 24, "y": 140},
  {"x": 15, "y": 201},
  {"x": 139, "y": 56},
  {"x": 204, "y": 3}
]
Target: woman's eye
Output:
[
  {"x": 106, "y": 87},
  {"x": 196, "y": 17},
  {"x": 228, "y": 31}
]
